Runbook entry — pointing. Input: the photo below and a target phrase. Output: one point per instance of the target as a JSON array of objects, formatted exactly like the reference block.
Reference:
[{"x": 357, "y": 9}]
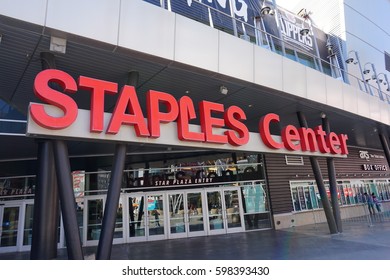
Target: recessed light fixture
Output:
[
  {"x": 224, "y": 90},
  {"x": 57, "y": 45}
]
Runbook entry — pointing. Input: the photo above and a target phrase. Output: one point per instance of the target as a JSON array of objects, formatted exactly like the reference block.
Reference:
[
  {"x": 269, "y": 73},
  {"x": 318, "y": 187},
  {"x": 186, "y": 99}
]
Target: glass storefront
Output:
[
  {"x": 177, "y": 201},
  {"x": 305, "y": 196}
]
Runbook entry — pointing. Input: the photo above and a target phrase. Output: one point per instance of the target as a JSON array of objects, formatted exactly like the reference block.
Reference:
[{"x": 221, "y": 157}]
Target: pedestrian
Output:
[
  {"x": 370, "y": 203},
  {"x": 376, "y": 202}
]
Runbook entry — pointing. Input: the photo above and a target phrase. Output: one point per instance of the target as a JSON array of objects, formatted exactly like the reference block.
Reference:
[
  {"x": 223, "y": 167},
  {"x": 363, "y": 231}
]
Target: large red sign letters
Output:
[{"x": 128, "y": 112}]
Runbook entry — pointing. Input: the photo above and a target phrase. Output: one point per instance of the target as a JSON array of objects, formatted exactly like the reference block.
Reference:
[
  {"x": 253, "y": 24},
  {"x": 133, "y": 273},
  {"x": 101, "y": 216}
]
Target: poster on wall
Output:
[{"x": 78, "y": 183}]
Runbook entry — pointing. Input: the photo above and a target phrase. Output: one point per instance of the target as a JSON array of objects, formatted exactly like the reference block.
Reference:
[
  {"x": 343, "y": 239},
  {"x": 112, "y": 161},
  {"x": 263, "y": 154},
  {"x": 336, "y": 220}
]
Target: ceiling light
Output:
[
  {"x": 57, "y": 45},
  {"x": 223, "y": 90}
]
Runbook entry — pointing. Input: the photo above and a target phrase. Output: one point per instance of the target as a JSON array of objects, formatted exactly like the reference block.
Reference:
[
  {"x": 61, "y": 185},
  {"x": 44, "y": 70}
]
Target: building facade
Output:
[{"x": 128, "y": 121}]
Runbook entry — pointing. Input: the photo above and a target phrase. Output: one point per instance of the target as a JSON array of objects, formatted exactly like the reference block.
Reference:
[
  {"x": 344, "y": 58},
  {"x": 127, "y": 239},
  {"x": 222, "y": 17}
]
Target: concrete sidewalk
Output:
[{"x": 357, "y": 242}]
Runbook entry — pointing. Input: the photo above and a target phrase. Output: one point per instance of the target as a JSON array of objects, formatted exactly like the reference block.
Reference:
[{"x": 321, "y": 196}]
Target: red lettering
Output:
[
  {"x": 98, "y": 89},
  {"x": 155, "y": 116},
  {"x": 333, "y": 143},
  {"x": 308, "y": 139},
  {"x": 289, "y": 136},
  {"x": 54, "y": 97},
  {"x": 207, "y": 122},
  {"x": 265, "y": 133},
  {"x": 232, "y": 117},
  {"x": 321, "y": 140},
  {"x": 128, "y": 100},
  {"x": 186, "y": 113},
  {"x": 343, "y": 143}
]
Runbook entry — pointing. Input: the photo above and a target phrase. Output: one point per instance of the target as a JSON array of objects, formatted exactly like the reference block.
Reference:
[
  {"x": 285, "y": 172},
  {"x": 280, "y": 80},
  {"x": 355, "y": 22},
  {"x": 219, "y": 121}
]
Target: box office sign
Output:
[{"x": 166, "y": 121}]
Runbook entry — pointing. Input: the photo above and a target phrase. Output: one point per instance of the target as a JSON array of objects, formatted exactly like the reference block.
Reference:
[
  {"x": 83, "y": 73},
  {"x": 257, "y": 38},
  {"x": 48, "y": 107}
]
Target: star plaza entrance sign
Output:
[{"x": 61, "y": 117}]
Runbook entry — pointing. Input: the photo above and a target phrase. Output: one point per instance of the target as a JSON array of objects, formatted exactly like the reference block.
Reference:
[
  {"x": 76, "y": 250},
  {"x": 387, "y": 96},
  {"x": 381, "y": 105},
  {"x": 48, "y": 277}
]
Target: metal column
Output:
[
  {"x": 114, "y": 191},
  {"x": 333, "y": 182},
  {"x": 320, "y": 183},
  {"x": 46, "y": 211},
  {"x": 385, "y": 145},
  {"x": 67, "y": 199},
  {"x": 46, "y": 207}
]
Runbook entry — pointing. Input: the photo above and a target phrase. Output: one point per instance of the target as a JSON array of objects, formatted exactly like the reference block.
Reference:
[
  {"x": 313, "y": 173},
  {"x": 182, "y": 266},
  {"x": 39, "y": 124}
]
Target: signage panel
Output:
[{"x": 60, "y": 117}]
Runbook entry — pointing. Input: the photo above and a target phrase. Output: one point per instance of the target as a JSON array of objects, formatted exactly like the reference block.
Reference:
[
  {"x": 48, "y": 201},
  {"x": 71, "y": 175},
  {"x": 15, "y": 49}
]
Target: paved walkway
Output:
[{"x": 357, "y": 242}]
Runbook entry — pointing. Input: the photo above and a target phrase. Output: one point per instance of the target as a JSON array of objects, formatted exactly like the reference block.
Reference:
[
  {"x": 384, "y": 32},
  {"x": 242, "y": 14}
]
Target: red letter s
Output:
[{"x": 54, "y": 97}]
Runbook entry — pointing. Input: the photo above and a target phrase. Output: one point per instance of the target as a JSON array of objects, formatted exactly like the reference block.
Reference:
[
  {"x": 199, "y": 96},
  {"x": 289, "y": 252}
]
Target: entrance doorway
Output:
[
  {"x": 224, "y": 208},
  {"x": 186, "y": 213},
  {"x": 146, "y": 216},
  {"x": 16, "y": 225},
  {"x": 93, "y": 218}
]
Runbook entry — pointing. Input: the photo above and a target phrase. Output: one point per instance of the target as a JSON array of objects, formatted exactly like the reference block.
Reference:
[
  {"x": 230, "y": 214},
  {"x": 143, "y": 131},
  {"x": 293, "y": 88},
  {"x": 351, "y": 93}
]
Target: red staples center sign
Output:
[{"x": 61, "y": 117}]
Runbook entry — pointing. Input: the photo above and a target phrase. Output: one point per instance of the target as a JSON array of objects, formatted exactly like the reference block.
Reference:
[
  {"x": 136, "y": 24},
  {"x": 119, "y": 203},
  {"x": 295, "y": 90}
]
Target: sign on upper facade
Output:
[{"x": 170, "y": 125}]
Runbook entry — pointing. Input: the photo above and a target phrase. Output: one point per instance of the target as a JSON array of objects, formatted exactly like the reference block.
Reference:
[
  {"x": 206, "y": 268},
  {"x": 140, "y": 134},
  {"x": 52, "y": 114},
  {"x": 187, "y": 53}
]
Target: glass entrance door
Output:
[
  {"x": 224, "y": 210},
  {"x": 186, "y": 216},
  {"x": 195, "y": 215},
  {"x": 216, "y": 223},
  {"x": 9, "y": 220},
  {"x": 16, "y": 225},
  {"x": 156, "y": 228},
  {"x": 93, "y": 218},
  {"x": 136, "y": 204},
  {"x": 234, "y": 214},
  {"x": 145, "y": 216}
]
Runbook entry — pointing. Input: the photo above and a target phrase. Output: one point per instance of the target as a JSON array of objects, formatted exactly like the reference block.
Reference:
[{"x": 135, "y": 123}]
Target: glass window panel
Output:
[
  {"x": 136, "y": 216},
  {"x": 215, "y": 210},
  {"x": 177, "y": 213},
  {"x": 155, "y": 214},
  {"x": 256, "y": 215},
  {"x": 308, "y": 198},
  {"x": 313, "y": 197},
  {"x": 301, "y": 196},
  {"x": 28, "y": 223},
  {"x": 10, "y": 226},
  {"x": 294, "y": 193},
  {"x": 94, "y": 218},
  {"x": 195, "y": 209}
]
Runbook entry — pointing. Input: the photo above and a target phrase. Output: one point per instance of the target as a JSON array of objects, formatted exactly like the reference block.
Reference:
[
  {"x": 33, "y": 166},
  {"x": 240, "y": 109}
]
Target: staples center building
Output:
[{"x": 129, "y": 121}]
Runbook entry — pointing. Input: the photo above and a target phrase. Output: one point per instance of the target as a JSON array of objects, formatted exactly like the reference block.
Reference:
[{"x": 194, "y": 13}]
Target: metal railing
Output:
[{"x": 210, "y": 16}]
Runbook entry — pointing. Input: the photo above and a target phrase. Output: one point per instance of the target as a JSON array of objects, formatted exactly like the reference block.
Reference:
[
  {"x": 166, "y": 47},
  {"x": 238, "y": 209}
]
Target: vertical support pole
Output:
[
  {"x": 385, "y": 145},
  {"x": 108, "y": 226},
  {"x": 67, "y": 199},
  {"x": 333, "y": 182},
  {"x": 114, "y": 191},
  {"x": 320, "y": 183},
  {"x": 45, "y": 223}
]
